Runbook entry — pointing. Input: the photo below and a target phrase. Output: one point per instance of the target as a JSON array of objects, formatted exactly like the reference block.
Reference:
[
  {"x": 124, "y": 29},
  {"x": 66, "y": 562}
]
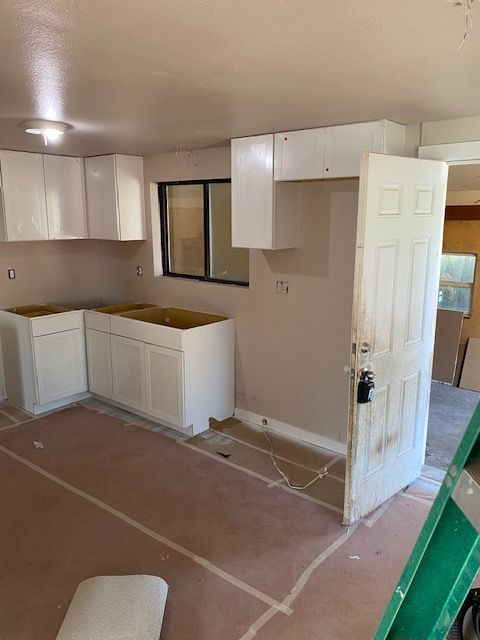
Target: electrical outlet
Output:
[
  {"x": 11, "y": 273},
  {"x": 282, "y": 286},
  {"x": 139, "y": 271}
]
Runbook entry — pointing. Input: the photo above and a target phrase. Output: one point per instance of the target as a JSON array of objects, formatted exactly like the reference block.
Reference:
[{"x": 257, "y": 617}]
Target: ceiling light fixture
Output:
[{"x": 49, "y": 130}]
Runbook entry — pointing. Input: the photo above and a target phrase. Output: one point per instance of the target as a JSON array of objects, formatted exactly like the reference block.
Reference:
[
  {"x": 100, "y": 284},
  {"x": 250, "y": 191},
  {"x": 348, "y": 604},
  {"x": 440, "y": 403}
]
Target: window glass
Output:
[
  {"x": 457, "y": 268},
  {"x": 186, "y": 240},
  {"x": 196, "y": 232},
  {"x": 226, "y": 262},
  {"x": 454, "y": 298}
]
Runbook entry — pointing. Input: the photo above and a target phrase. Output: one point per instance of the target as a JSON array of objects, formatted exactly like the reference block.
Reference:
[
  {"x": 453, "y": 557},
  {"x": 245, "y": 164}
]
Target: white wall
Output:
[
  {"x": 290, "y": 349},
  {"x": 446, "y": 131}
]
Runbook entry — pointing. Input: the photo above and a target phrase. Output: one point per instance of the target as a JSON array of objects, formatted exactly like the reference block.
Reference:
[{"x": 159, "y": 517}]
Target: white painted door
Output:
[
  {"x": 399, "y": 238},
  {"x": 252, "y": 192},
  {"x": 64, "y": 184},
  {"x": 128, "y": 363},
  {"x": 299, "y": 155},
  {"x": 99, "y": 363},
  {"x": 102, "y": 204},
  {"x": 165, "y": 381},
  {"x": 345, "y": 144},
  {"x": 23, "y": 187},
  {"x": 60, "y": 365}
]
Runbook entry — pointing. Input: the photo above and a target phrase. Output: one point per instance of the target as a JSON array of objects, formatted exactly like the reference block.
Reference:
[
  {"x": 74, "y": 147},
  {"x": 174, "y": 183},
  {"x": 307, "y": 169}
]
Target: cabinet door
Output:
[
  {"x": 299, "y": 155},
  {"x": 102, "y": 205},
  {"x": 252, "y": 192},
  {"x": 130, "y": 184},
  {"x": 128, "y": 362},
  {"x": 60, "y": 365},
  {"x": 64, "y": 186},
  {"x": 345, "y": 144},
  {"x": 164, "y": 370},
  {"x": 99, "y": 363},
  {"x": 24, "y": 202}
]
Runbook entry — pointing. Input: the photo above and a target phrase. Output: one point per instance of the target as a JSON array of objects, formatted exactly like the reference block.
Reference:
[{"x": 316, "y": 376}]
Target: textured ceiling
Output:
[{"x": 145, "y": 76}]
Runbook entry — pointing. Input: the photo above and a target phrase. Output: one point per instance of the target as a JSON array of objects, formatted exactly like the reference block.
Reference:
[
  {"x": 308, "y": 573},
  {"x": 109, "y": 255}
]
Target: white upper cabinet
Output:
[
  {"x": 264, "y": 214},
  {"x": 23, "y": 197},
  {"x": 299, "y": 154},
  {"x": 115, "y": 200},
  {"x": 345, "y": 144},
  {"x": 65, "y": 192},
  {"x": 334, "y": 152}
]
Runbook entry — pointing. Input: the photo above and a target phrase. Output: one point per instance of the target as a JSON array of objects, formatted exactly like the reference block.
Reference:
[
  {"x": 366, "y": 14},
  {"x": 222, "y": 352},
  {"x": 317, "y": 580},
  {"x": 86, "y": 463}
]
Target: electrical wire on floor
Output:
[{"x": 321, "y": 474}]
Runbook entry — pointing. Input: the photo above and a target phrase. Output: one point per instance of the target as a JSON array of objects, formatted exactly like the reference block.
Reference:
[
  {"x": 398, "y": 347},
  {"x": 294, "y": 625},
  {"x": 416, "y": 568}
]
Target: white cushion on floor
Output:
[{"x": 116, "y": 608}]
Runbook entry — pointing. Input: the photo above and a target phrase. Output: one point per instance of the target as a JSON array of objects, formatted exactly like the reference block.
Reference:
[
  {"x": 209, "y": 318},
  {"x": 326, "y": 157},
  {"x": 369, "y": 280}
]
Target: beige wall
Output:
[
  {"x": 455, "y": 130},
  {"x": 290, "y": 349},
  {"x": 60, "y": 271}
]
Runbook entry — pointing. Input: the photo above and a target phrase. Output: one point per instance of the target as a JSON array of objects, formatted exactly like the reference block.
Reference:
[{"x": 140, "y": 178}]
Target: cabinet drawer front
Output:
[
  {"x": 165, "y": 384},
  {"x": 128, "y": 363},
  {"x": 98, "y": 321},
  {"x": 56, "y": 323},
  {"x": 60, "y": 365},
  {"x": 299, "y": 155},
  {"x": 150, "y": 333}
]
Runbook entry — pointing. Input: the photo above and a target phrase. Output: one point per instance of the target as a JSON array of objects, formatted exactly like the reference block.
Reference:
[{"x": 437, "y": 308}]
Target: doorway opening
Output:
[{"x": 456, "y": 372}]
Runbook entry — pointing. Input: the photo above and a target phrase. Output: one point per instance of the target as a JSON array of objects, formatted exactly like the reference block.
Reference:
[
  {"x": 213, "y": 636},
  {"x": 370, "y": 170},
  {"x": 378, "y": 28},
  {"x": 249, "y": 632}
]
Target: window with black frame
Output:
[{"x": 196, "y": 229}]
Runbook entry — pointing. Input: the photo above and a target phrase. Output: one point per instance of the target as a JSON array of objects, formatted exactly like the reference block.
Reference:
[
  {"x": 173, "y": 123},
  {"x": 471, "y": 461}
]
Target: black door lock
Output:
[{"x": 366, "y": 387}]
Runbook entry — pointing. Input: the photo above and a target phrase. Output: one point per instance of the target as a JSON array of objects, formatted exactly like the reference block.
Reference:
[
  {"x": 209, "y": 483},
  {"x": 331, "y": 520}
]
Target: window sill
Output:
[{"x": 230, "y": 283}]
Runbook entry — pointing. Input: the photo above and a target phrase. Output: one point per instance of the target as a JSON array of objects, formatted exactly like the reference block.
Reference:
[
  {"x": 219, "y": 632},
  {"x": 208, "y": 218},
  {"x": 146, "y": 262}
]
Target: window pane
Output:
[
  {"x": 454, "y": 298},
  {"x": 457, "y": 268},
  {"x": 226, "y": 263},
  {"x": 186, "y": 231}
]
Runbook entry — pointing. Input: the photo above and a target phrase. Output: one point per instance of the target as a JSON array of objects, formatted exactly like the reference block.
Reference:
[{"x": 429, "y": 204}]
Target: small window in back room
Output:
[
  {"x": 196, "y": 224},
  {"x": 457, "y": 275}
]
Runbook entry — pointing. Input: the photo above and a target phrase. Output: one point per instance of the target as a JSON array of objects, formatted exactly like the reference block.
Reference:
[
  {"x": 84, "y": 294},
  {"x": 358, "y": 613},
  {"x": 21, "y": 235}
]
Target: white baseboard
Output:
[{"x": 293, "y": 432}]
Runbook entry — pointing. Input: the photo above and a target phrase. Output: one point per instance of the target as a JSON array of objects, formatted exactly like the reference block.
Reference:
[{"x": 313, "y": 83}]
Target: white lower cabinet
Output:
[
  {"x": 164, "y": 384},
  {"x": 128, "y": 362},
  {"x": 60, "y": 365},
  {"x": 99, "y": 356},
  {"x": 44, "y": 357},
  {"x": 179, "y": 377}
]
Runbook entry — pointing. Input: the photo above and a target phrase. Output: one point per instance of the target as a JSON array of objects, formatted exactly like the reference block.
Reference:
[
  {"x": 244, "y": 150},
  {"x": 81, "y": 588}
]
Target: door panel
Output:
[
  {"x": 60, "y": 365},
  {"x": 252, "y": 192},
  {"x": 165, "y": 381},
  {"x": 299, "y": 155},
  {"x": 99, "y": 357},
  {"x": 399, "y": 237},
  {"x": 102, "y": 205},
  {"x": 64, "y": 186},
  {"x": 24, "y": 196},
  {"x": 128, "y": 363},
  {"x": 345, "y": 144}
]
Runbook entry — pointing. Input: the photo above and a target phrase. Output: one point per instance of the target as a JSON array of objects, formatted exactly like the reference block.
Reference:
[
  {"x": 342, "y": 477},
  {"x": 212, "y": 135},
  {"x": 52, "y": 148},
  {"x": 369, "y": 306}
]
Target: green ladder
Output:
[{"x": 446, "y": 557}]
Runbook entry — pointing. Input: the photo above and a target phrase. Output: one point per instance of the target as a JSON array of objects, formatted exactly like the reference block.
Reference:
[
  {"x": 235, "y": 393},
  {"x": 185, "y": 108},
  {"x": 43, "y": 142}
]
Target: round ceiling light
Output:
[{"x": 50, "y": 130}]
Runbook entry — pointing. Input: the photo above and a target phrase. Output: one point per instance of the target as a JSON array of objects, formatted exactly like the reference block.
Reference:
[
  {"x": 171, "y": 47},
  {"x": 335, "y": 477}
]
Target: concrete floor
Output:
[{"x": 450, "y": 411}]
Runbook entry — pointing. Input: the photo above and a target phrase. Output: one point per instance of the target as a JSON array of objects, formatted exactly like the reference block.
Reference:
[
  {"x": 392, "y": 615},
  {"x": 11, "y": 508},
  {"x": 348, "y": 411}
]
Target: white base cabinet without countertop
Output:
[
  {"x": 177, "y": 377},
  {"x": 44, "y": 359}
]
